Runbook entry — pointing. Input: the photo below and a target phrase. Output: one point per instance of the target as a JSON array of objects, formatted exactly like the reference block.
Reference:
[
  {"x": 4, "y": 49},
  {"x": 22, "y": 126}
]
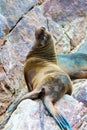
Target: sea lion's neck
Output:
[{"x": 44, "y": 52}]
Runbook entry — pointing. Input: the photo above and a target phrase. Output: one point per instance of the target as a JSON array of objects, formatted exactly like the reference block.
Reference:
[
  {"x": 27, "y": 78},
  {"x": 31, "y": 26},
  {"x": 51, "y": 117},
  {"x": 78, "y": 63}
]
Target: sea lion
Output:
[
  {"x": 75, "y": 64},
  {"x": 44, "y": 78}
]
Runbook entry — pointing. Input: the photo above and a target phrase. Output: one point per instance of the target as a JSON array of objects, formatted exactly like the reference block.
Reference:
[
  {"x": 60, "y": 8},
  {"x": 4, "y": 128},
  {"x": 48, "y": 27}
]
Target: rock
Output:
[
  {"x": 34, "y": 111},
  {"x": 14, "y": 10},
  {"x": 40, "y": 1},
  {"x": 81, "y": 125},
  {"x": 23, "y": 35},
  {"x": 77, "y": 31},
  {"x": 13, "y": 68},
  {"x": 72, "y": 109},
  {"x": 63, "y": 11},
  {"x": 80, "y": 91},
  {"x": 62, "y": 42},
  {"x": 5, "y": 94},
  {"x": 33, "y": 120},
  {"x": 63, "y": 46},
  {"x": 4, "y": 103},
  {"x": 9, "y": 61},
  {"x": 71, "y": 15},
  {"x": 2, "y": 73},
  {"x": 13, "y": 53},
  {"x": 82, "y": 48},
  {"x": 19, "y": 42},
  {"x": 4, "y": 30}
]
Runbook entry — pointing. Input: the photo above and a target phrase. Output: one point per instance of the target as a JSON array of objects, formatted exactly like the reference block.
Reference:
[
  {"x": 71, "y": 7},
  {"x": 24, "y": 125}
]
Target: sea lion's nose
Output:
[{"x": 43, "y": 28}]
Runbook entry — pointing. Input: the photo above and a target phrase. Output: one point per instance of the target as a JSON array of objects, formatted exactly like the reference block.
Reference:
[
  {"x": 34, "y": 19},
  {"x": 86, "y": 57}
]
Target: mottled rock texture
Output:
[
  {"x": 13, "y": 10},
  {"x": 71, "y": 15},
  {"x": 80, "y": 92},
  {"x": 30, "y": 119},
  {"x": 67, "y": 22},
  {"x": 4, "y": 29}
]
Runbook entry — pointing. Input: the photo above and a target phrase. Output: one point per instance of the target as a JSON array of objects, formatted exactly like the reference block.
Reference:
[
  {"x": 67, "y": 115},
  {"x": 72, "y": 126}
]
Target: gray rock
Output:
[
  {"x": 62, "y": 42},
  {"x": 83, "y": 47},
  {"x": 13, "y": 10},
  {"x": 62, "y": 11},
  {"x": 77, "y": 31},
  {"x": 23, "y": 35},
  {"x": 4, "y": 28},
  {"x": 80, "y": 92},
  {"x": 29, "y": 114},
  {"x": 71, "y": 15}
]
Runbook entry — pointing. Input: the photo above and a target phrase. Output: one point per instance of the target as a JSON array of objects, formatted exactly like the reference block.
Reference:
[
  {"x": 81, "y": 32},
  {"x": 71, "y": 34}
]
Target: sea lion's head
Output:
[{"x": 42, "y": 36}]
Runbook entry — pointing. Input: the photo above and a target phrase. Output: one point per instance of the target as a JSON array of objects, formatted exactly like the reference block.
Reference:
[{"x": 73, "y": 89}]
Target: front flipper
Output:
[
  {"x": 31, "y": 95},
  {"x": 59, "y": 118}
]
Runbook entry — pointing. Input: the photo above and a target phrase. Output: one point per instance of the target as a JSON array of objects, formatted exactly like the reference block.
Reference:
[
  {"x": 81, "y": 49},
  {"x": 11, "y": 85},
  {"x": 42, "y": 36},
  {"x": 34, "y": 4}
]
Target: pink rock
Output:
[
  {"x": 62, "y": 11},
  {"x": 80, "y": 92},
  {"x": 4, "y": 28},
  {"x": 29, "y": 114}
]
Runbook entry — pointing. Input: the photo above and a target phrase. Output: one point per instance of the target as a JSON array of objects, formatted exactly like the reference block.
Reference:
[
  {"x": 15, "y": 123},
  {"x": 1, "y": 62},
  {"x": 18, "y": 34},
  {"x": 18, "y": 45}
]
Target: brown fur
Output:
[
  {"x": 44, "y": 78},
  {"x": 42, "y": 73}
]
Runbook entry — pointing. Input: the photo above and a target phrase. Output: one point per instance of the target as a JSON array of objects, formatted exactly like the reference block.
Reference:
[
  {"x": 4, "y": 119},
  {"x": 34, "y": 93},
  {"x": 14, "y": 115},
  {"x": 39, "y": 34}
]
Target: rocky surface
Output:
[
  {"x": 14, "y": 10},
  {"x": 80, "y": 92},
  {"x": 82, "y": 47},
  {"x": 71, "y": 15},
  {"x": 67, "y": 22},
  {"x": 4, "y": 29},
  {"x": 32, "y": 119}
]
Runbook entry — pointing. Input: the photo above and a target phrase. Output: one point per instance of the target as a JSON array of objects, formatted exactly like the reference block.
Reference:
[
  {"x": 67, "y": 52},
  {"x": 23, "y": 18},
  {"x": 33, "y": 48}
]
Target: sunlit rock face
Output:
[{"x": 32, "y": 115}]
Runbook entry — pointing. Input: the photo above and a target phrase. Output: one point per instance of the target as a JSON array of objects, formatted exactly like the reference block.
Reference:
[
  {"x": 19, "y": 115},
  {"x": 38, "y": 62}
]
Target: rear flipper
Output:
[
  {"x": 60, "y": 120},
  {"x": 79, "y": 74}
]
